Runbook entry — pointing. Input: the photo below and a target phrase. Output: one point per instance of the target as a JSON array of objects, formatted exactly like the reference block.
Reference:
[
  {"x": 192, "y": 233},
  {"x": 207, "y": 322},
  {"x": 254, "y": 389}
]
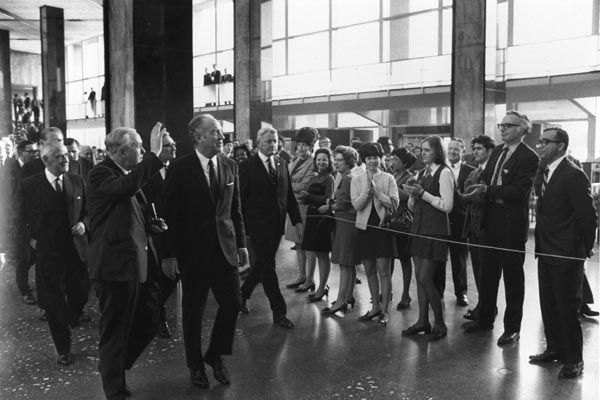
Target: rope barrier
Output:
[{"x": 458, "y": 242}]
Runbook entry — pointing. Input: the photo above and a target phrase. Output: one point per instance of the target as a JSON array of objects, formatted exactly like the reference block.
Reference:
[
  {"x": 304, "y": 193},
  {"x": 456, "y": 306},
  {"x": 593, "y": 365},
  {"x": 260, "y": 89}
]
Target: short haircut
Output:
[
  {"x": 263, "y": 131},
  {"x": 349, "y": 153},
  {"x": 241, "y": 147},
  {"x": 384, "y": 140},
  {"x": 435, "y": 143},
  {"x": 484, "y": 140},
  {"x": 525, "y": 121},
  {"x": 323, "y": 151},
  {"x": 459, "y": 140},
  {"x": 118, "y": 138},
  {"x": 50, "y": 147},
  {"x": 370, "y": 149},
  {"x": 71, "y": 141},
  {"x": 198, "y": 121},
  {"x": 50, "y": 131},
  {"x": 561, "y": 135},
  {"x": 406, "y": 157},
  {"x": 24, "y": 143}
]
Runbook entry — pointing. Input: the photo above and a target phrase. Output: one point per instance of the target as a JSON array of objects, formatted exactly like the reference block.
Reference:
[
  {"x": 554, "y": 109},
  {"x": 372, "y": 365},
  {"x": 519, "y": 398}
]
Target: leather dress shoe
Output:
[
  {"x": 199, "y": 378},
  {"x": 462, "y": 300},
  {"x": 438, "y": 332},
  {"x": 244, "y": 308},
  {"x": 571, "y": 370},
  {"x": 543, "y": 358},
  {"x": 294, "y": 285},
  {"x": 219, "y": 371},
  {"x": 163, "y": 330},
  {"x": 586, "y": 311},
  {"x": 508, "y": 338},
  {"x": 475, "y": 326},
  {"x": 283, "y": 321},
  {"x": 64, "y": 359},
  {"x": 472, "y": 315},
  {"x": 416, "y": 329}
]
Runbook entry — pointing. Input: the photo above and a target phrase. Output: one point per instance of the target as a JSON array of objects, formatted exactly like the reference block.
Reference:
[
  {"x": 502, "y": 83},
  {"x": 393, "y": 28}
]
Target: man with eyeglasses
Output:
[
  {"x": 507, "y": 181},
  {"x": 565, "y": 232},
  {"x": 49, "y": 134},
  {"x": 155, "y": 191}
]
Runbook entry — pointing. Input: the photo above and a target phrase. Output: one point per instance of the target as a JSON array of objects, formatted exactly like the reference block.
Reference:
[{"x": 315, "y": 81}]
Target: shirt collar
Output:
[
  {"x": 52, "y": 178},
  {"x": 204, "y": 160},
  {"x": 126, "y": 172},
  {"x": 21, "y": 163},
  {"x": 512, "y": 147},
  {"x": 554, "y": 164},
  {"x": 263, "y": 157},
  {"x": 482, "y": 166}
]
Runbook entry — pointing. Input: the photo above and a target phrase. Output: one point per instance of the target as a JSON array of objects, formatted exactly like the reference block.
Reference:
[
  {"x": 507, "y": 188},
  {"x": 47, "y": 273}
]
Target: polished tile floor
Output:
[{"x": 323, "y": 358}]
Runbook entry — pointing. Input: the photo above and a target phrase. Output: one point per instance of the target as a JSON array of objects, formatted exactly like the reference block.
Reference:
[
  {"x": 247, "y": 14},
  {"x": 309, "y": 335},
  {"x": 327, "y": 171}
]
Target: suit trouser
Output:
[
  {"x": 129, "y": 314},
  {"x": 458, "y": 261},
  {"x": 223, "y": 279},
  {"x": 25, "y": 257},
  {"x": 588, "y": 296},
  {"x": 263, "y": 270},
  {"x": 477, "y": 263},
  {"x": 560, "y": 301},
  {"x": 62, "y": 286},
  {"x": 497, "y": 262}
]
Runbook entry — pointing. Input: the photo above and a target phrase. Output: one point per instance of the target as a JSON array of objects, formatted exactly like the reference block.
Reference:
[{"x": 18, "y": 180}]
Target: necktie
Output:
[
  {"x": 499, "y": 166},
  {"x": 544, "y": 182},
  {"x": 214, "y": 185},
  {"x": 57, "y": 186},
  {"x": 272, "y": 172}
]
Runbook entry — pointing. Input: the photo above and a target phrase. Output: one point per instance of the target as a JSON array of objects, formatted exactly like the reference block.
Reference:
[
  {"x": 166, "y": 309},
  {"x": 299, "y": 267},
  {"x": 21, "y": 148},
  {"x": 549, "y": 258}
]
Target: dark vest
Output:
[{"x": 428, "y": 220}]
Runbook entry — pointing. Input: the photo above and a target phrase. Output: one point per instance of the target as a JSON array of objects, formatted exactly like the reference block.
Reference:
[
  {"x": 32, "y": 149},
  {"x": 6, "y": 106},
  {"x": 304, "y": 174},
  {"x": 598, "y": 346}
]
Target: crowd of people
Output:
[{"x": 130, "y": 223}]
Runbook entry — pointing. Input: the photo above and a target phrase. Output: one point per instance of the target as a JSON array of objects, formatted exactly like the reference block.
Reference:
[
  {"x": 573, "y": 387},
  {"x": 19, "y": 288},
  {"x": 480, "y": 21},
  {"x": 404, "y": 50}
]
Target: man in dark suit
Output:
[
  {"x": 482, "y": 147},
  {"x": 50, "y": 134},
  {"x": 565, "y": 232},
  {"x": 207, "y": 241},
  {"x": 52, "y": 205},
  {"x": 267, "y": 196},
  {"x": 121, "y": 253},
  {"x": 154, "y": 192},
  {"x": 508, "y": 178},
  {"x": 27, "y": 151},
  {"x": 77, "y": 165},
  {"x": 458, "y": 252}
]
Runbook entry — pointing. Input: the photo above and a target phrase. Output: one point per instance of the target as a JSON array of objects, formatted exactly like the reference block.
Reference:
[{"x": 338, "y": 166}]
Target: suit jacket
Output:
[
  {"x": 195, "y": 221},
  {"x": 565, "y": 214},
  {"x": 459, "y": 209},
  {"x": 517, "y": 179},
  {"x": 33, "y": 167},
  {"x": 121, "y": 243},
  {"x": 154, "y": 191},
  {"x": 264, "y": 203},
  {"x": 81, "y": 167},
  {"x": 38, "y": 210},
  {"x": 475, "y": 209}
]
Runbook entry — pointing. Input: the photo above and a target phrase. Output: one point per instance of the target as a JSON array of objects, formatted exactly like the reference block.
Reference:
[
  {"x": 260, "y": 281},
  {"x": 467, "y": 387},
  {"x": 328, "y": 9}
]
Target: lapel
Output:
[
  {"x": 222, "y": 177},
  {"x": 72, "y": 206},
  {"x": 263, "y": 170},
  {"x": 137, "y": 207},
  {"x": 557, "y": 171}
]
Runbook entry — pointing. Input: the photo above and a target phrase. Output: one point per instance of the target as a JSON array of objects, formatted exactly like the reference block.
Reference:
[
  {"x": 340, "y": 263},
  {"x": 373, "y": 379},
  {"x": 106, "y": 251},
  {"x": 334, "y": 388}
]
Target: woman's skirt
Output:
[
  {"x": 374, "y": 242},
  {"x": 431, "y": 249},
  {"x": 345, "y": 242}
]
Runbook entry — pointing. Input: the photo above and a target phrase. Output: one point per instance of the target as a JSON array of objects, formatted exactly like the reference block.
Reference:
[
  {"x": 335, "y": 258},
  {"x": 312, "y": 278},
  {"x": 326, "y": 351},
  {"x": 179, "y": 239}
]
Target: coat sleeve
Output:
[
  {"x": 236, "y": 210},
  {"x": 586, "y": 217}
]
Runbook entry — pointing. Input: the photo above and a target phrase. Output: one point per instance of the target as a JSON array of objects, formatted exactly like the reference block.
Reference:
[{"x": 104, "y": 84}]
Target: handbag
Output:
[{"x": 398, "y": 220}]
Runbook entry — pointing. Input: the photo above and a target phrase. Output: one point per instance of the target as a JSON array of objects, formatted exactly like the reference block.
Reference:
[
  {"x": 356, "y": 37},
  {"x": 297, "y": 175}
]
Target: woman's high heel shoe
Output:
[
  {"x": 305, "y": 289},
  {"x": 312, "y": 298},
  {"x": 404, "y": 304},
  {"x": 351, "y": 302},
  {"x": 294, "y": 285},
  {"x": 415, "y": 329},
  {"x": 383, "y": 318},
  {"x": 438, "y": 332},
  {"x": 332, "y": 310},
  {"x": 368, "y": 317}
]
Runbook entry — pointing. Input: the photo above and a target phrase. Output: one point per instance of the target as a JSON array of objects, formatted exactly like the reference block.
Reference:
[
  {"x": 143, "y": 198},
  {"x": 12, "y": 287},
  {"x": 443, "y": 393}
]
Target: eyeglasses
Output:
[
  {"x": 172, "y": 146},
  {"x": 506, "y": 126},
  {"x": 544, "y": 142},
  {"x": 32, "y": 151}
]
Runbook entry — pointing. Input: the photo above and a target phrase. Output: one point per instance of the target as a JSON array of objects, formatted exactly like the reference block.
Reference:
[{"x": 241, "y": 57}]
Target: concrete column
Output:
[
  {"x": 468, "y": 69},
  {"x": 148, "y": 66},
  {"x": 252, "y": 102},
  {"x": 591, "y": 139},
  {"x": 52, "y": 33},
  {"x": 5, "y": 85}
]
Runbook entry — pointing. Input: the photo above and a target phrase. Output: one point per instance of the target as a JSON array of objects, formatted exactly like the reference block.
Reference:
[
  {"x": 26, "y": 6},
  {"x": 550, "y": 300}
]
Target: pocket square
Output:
[{"x": 229, "y": 184}]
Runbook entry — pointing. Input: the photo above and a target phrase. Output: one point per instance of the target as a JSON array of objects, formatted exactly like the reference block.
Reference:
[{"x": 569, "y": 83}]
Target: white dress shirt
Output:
[
  {"x": 204, "y": 162},
  {"x": 445, "y": 201},
  {"x": 52, "y": 179},
  {"x": 455, "y": 168},
  {"x": 552, "y": 166},
  {"x": 264, "y": 160}
]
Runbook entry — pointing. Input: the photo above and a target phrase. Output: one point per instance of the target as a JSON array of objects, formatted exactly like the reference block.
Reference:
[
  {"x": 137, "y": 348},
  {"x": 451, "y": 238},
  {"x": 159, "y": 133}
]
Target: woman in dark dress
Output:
[
  {"x": 317, "y": 231},
  {"x": 431, "y": 200},
  {"x": 373, "y": 193},
  {"x": 402, "y": 160},
  {"x": 344, "y": 250}
]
